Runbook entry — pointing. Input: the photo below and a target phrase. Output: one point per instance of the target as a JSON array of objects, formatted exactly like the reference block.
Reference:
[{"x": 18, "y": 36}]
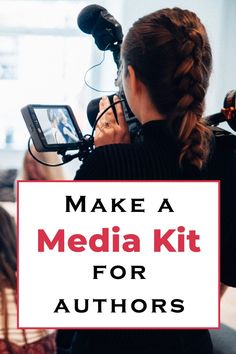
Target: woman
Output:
[
  {"x": 13, "y": 340},
  {"x": 166, "y": 59}
]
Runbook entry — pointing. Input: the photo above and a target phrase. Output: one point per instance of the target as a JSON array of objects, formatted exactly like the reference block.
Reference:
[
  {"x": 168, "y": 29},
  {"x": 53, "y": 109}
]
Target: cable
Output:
[
  {"x": 68, "y": 158},
  {"x": 105, "y": 110},
  {"x": 43, "y": 162},
  {"x": 92, "y": 67}
]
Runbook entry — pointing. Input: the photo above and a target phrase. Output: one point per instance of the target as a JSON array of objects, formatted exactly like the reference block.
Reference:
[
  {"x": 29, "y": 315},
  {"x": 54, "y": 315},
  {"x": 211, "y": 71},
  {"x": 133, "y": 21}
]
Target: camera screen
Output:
[{"x": 57, "y": 125}]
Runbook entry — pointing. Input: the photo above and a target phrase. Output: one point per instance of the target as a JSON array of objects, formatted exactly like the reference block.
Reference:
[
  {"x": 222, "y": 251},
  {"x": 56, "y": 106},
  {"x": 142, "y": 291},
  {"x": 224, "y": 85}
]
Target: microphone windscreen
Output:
[{"x": 88, "y": 17}]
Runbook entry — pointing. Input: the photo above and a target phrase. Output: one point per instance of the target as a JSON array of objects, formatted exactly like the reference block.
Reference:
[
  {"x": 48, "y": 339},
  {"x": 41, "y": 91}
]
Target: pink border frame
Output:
[{"x": 121, "y": 328}]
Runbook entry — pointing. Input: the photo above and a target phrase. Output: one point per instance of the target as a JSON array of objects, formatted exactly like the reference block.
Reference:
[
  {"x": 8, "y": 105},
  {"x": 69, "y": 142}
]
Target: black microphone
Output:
[
  {"x": 107, "y": 32},
  {"x": 88, "y": 17},
  {"x": 105, "y": 29}
]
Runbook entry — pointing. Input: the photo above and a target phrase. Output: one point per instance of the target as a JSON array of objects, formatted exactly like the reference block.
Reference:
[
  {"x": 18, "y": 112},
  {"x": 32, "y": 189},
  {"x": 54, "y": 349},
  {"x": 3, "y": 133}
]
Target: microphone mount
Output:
[{"x": 105, "y": 29}]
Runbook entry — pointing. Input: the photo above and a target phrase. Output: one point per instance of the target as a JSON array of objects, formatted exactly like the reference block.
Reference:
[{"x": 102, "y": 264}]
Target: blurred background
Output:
[{"x": 44, "y": 57}]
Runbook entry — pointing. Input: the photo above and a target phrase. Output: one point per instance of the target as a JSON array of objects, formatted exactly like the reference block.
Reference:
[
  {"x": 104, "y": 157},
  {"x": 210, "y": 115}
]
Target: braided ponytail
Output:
[
  {"x": 170, "y": 53},
  {"x": 193, "y": 133}
]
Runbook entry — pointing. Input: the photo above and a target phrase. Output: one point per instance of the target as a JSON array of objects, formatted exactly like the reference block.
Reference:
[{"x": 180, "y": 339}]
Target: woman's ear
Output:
[{"x": 134, "y": 82}]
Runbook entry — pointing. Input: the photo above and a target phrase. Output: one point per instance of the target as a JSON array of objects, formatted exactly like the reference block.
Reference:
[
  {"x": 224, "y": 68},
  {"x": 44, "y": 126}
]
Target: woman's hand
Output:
[{"x": 108, "y": 131}]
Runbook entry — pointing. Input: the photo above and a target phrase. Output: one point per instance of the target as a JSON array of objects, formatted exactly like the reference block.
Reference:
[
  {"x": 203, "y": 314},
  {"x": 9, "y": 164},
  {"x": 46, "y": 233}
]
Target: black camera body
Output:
[{"x": 132, "y": 122}]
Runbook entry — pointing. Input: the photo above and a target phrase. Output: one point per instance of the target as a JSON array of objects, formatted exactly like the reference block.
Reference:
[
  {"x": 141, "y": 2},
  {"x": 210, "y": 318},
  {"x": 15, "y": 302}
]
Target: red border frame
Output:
[{"x": 121, "y": 328}]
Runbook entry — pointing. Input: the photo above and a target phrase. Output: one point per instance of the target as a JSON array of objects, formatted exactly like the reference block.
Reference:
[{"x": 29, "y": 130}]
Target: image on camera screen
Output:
[{"x": 56, "y": 125}]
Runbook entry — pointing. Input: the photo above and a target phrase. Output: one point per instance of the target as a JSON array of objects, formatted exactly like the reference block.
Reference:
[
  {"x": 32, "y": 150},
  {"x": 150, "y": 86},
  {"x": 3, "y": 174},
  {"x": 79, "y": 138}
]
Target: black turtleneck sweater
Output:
[{"x": 156, "y": 157}]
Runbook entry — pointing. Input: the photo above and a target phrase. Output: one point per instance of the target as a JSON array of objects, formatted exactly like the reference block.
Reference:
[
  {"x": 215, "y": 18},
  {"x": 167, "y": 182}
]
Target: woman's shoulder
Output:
[
  {"x": 104, "y": 161},
  {"x": 104, "y": 153}
]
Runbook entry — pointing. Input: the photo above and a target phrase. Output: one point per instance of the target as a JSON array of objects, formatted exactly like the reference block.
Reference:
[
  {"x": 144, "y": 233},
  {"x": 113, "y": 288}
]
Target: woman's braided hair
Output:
[{"x": 170, "y": 53}]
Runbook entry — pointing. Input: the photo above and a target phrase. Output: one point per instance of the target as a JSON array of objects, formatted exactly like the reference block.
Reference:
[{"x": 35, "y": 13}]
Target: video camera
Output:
[{"x": 54, "y": 128}]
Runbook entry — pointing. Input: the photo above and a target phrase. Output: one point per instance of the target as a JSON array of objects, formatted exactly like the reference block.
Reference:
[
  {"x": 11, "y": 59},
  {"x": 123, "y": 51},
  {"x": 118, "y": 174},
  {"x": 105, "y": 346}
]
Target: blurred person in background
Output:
[
  {"x": 33, "y": 170},
  {"x": 13, "y": 340}
]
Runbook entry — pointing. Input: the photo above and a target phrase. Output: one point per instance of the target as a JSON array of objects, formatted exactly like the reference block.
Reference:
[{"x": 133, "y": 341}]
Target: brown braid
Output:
[
  {"x": 170, "y": 53},
  {"x": 193, "y": 133}
]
